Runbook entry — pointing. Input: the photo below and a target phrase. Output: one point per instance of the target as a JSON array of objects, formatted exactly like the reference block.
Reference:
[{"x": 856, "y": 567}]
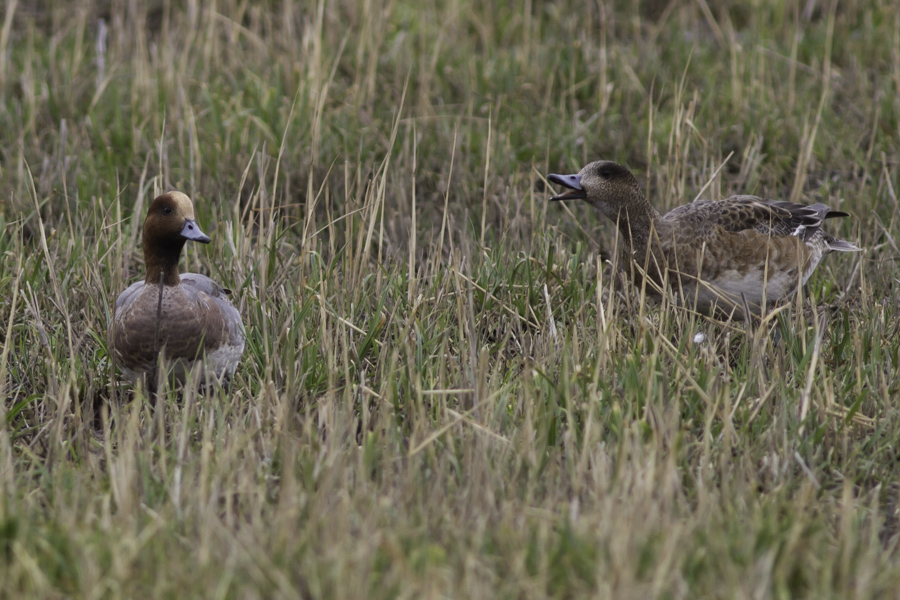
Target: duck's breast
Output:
[
  {"x": 189, "y": 320},
  {"x": 220, "y": 313},
  {"x": 132, "y": 332}
]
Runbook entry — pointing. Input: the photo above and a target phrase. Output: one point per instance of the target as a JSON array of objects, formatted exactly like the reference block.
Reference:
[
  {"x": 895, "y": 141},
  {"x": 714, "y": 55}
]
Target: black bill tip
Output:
[
  {"x": 191, "y": 231},
  {"x": 573, "y": 182}
]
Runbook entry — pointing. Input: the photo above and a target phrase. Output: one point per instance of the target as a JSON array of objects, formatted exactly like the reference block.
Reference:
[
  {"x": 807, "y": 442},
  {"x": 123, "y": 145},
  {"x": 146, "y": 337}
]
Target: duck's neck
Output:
[
  {"x": 635, "y": 217},
  {"x": 162, "y": 263}
]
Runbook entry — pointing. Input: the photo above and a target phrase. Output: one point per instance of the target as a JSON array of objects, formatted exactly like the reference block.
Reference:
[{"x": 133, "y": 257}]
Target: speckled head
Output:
[
  {"x": 597, "y": 182},
  {"x": 613, "y": 190},
  {"x": 169, "y": 224}
]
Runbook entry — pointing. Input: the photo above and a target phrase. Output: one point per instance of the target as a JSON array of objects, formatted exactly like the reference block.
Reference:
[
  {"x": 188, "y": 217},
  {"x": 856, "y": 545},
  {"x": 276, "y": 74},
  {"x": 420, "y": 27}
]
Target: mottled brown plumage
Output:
[
  {"x": 718, "y": 256},
  {"x": 188, "y": 317}
]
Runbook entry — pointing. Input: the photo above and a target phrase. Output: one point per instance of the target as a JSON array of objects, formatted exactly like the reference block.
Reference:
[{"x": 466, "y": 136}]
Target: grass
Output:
[{"x": 447, "y": 391}]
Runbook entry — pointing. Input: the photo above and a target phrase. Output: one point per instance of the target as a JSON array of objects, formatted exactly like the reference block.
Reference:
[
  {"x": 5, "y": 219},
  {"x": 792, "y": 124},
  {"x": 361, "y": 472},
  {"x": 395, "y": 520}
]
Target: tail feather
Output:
[
  {"x": 843, "y": 246},
  {"x": 825, "y": 212}
]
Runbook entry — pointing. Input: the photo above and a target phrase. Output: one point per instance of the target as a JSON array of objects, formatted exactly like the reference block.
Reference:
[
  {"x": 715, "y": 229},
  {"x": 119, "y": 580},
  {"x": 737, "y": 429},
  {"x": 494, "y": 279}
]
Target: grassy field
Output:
[{"x": 447, "y": 389}]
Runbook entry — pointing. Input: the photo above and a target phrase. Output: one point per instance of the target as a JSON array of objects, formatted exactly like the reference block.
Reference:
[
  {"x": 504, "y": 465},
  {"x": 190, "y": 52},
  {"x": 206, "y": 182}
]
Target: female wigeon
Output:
[
  {"x": 719, "y": 257},
  {"x": 188, "y": 317}
]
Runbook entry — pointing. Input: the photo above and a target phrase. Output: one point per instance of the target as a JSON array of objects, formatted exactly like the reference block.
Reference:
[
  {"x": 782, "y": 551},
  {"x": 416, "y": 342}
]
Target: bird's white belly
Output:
[{"x": 731, "y": 289}]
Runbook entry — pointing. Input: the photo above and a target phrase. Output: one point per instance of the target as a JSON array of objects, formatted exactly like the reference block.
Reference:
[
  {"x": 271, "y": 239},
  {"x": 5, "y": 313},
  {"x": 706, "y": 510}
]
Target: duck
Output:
[
  {"x": 730, "y": 258},
  {"x": 186, "y": 316}
]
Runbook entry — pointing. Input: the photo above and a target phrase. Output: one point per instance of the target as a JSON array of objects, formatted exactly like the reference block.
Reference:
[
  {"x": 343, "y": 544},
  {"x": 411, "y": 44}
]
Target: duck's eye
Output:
[
  {"x": 167, "y": 210},
  {"x": 605, "y": 173}
]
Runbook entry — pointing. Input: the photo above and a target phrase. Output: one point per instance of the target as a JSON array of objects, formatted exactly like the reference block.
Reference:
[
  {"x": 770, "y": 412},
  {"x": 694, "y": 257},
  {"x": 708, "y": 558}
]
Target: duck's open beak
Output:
[
  {"x": 191, "y": 231},
  {"x": 573, "y": 182}
]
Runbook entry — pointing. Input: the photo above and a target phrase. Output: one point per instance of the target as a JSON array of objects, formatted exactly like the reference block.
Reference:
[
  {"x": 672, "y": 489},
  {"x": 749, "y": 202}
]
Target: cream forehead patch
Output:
[{"x": 184, "y": 204}]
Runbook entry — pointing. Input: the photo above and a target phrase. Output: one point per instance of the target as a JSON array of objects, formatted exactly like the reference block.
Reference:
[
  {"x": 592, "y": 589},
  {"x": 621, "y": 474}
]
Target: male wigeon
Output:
[
  {"x": 717, "y": 256},
  {"x": 186, "y": 316}
]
